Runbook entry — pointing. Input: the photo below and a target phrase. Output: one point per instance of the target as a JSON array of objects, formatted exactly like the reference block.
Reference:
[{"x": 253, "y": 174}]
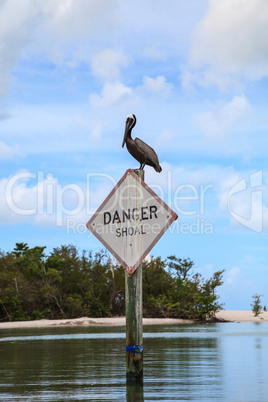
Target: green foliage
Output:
[
  {"x": 256, "y": 305},
  {"x": 178, "y": 292},
  {"x": 65, "y": 284}
]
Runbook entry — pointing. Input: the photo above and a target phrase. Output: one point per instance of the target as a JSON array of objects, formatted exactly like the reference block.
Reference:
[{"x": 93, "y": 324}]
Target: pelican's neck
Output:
[{"x": 129, "y": 141}]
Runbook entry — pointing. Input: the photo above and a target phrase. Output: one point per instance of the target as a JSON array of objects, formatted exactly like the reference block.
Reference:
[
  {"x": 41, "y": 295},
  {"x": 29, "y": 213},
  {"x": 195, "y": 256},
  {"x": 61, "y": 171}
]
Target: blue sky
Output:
[{"x": 195, "y": 75}]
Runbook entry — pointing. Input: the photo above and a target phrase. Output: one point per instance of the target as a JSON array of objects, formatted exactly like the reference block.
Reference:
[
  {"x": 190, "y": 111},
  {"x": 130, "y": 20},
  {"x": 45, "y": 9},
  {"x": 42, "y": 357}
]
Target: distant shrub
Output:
[{"x": 256, "y": 305}]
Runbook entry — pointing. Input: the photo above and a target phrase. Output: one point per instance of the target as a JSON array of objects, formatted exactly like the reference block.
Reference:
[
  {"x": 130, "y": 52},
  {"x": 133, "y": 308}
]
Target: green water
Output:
[{"x": 225, "y": 362}]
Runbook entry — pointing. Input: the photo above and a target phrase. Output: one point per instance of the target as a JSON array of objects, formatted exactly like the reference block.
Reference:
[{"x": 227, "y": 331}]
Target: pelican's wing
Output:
[{"x": 147, "y": 150}]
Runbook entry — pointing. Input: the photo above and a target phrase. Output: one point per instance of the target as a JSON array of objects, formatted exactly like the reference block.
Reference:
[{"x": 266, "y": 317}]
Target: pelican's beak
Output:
[
  {"x": 125, "y": 137},
  {"x": 127, "y": 130}
]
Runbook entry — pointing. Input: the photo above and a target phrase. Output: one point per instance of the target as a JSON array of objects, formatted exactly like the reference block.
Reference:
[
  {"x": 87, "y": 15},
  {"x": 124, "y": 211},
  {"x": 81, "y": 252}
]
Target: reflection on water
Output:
[{"x": 225, "y": 361}]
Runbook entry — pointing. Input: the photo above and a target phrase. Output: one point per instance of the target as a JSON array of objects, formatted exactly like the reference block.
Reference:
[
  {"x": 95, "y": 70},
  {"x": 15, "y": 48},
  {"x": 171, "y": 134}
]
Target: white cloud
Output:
[
  {"x": 50, "y": 26},
  {"x": 7, "y": 152},
  {"x": 158, "y": 85},
  {"x": 155, "y": 54},
  {"x": 215, "y": 193},
  {"x": 108, "y": 63},
  {"x": 209, "y": 77},
  {"x": 44, "y": 201},
  {"x": 232, "y": 38},
  {"x": 87, "y": 129},
  {"x": 234, "y": 276},
  {"x": 115, "y": 93},
  {"x": 17, "y": 20},
  {"x": 79, "y": 122},
  {"x": 243, "y": 196},
  {"x": 18, "y": 201},
  {"x": 225, "y": 184},
  {"x": 96, "y": 132},
  {"x": 67, "y": 27},
  {"x": 69, "y": 19},
  {"x": 112, "y": 93},
  {"x": 164, "y": 139},
  {"x": 219, "y": 122}
]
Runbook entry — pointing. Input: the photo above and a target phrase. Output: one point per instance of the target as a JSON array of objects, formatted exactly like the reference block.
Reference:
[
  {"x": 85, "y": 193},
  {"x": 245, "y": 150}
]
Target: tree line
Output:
[{"x": 66, "y": 284}]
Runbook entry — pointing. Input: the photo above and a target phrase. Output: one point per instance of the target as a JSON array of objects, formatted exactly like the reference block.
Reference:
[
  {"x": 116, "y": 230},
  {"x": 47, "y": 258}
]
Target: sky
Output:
[{"x": 194, "y": 73}]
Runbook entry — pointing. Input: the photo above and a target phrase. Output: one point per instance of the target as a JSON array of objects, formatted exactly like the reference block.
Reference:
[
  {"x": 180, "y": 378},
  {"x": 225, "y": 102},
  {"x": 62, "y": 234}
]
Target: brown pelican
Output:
[{"x": 137, "y": 148}]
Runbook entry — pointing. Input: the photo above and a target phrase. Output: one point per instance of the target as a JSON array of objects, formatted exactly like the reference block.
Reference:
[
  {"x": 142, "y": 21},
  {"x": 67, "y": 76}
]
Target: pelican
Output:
[{"x": 142, "y": 152}]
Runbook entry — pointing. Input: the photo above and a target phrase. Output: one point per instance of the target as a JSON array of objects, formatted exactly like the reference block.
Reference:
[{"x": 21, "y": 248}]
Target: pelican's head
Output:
[{"x": 130, "y": 123}]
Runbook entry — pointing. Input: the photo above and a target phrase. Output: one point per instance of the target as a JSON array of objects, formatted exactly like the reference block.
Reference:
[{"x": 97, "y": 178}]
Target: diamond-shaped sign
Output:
[{"x": 131, "y": 220}]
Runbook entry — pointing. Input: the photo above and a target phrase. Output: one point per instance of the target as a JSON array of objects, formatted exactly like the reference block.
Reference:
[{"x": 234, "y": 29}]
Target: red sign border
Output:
[{"x": 173, "y": 217}]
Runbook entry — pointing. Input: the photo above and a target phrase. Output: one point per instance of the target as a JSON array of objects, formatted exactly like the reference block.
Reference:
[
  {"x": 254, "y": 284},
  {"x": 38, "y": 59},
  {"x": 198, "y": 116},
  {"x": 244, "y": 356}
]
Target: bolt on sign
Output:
[{"x": 131, "y": 220}]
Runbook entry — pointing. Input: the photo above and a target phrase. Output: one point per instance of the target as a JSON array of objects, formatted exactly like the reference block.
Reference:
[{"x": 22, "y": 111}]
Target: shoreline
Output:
[
  {"x": 225, "y": 315},
  {"x": 242, "y": 316},
  {"x": 89, "y": 322}
]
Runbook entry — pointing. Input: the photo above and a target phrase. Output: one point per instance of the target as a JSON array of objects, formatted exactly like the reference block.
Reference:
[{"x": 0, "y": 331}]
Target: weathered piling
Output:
[{"x": 134, "y": 330}]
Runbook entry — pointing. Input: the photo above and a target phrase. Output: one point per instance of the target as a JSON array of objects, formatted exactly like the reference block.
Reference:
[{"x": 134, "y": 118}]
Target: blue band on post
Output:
[{"x": 134, "y": 349}]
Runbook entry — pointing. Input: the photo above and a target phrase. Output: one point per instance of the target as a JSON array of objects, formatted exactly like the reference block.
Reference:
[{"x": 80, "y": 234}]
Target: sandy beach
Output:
[
  {"x": 242, "y": 316},
  {"x": 229, "y": 315},
  {"x": 85, "y": 321}
]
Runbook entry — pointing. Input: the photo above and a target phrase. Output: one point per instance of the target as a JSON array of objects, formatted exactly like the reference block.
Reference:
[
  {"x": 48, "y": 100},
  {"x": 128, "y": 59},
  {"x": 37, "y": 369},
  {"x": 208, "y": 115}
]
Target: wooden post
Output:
[{"x": 133, "y": 299}]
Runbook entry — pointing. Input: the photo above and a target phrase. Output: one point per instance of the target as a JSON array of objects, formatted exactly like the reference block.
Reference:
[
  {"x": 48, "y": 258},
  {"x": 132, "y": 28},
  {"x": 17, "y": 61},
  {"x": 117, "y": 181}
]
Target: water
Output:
[{"x": 223, "y": 361}]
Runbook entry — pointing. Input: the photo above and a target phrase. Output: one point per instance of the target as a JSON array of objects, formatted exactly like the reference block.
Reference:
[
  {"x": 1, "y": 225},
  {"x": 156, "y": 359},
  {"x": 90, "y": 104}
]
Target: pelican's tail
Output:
[{"x": 158, "y": 168}]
